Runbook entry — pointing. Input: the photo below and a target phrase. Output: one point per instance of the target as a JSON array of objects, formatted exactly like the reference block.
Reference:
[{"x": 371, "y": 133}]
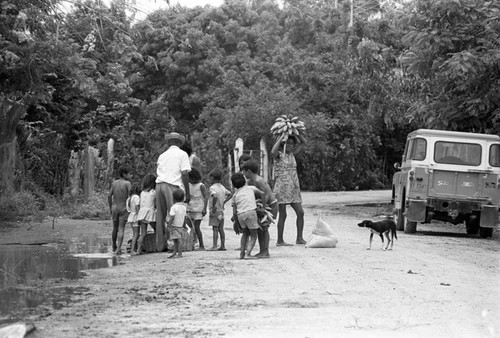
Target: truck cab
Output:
[{"x": 448, "y": 176}]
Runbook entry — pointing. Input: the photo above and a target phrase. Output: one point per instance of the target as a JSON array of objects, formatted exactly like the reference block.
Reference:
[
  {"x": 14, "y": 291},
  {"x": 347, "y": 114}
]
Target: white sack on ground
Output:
[{"x": 322, "y": 236}]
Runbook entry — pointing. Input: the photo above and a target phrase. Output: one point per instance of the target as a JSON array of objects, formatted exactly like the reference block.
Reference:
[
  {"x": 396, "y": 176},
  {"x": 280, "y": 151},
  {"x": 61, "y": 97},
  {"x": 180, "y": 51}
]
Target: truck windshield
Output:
[
  {"x": 495, "y": 155},
  {"x": 457, "y": 153}
]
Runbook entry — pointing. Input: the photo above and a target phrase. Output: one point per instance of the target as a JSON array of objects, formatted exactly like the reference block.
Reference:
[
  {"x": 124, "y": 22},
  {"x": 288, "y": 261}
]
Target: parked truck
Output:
[{"x": 448, "y": 176}]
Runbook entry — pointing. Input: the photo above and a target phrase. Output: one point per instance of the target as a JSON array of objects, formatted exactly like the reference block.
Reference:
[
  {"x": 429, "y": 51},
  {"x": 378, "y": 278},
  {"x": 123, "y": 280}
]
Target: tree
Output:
[{"x": 453, "y": 50}]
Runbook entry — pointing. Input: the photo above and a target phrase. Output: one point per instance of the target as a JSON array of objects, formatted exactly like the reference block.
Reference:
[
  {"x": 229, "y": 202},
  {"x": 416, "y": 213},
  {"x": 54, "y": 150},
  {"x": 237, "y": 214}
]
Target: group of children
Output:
[
  {"x": 139, "y": 200},
  {"x": 135, "y": 206}
]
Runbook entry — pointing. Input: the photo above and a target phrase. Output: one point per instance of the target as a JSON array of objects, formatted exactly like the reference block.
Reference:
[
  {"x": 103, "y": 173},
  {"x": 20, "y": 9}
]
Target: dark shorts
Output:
[{"x": 119, "y": 213}]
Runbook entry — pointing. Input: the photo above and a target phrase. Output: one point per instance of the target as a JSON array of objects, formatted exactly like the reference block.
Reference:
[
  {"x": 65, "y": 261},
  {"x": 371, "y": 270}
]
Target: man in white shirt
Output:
[{"x": 172, "y": 173}]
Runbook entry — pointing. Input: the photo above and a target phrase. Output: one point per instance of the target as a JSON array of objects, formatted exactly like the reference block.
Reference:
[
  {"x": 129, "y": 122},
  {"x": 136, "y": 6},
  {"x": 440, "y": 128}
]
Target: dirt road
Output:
[{"x": 439, "y": 283}]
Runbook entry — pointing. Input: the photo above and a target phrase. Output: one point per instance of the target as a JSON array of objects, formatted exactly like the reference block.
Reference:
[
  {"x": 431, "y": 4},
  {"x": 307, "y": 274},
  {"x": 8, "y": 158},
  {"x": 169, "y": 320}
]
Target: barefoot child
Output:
[
  {"x": 244, "y": 209},
  {"x": 197, "y": 206},
  {"x": 117, "y": 199},
  {"x": 147, "y": 210},
  {"x": 176, "y": 221},
  {"x": 133, "y": 203},
  {"x": 219, "y": 195},
  {"x": 250, "y": 169}
]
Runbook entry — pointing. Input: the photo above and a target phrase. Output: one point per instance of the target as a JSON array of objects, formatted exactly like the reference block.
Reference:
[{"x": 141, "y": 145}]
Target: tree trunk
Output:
[{"x": 10, "y": 114}]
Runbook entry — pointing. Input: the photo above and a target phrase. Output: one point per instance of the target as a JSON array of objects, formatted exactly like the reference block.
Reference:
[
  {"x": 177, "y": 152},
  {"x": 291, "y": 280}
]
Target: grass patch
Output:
[
  {"x": 36, "y": 206},
  {"x": 96, "y": 207}
]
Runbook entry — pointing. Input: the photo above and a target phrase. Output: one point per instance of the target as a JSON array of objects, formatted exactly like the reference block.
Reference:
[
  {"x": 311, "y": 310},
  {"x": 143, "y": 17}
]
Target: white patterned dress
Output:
[{"x": 286, "y": 180}]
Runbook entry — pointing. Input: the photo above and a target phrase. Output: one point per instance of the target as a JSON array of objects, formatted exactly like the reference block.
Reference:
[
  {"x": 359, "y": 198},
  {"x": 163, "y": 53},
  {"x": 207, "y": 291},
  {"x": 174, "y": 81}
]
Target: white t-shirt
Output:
[
  {"x": 171, "y": 164},
  {"x": 177, "y": 215},
  {"x": 244, "y": 199}
]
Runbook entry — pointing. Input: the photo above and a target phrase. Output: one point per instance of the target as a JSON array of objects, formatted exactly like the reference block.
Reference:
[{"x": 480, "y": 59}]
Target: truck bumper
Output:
[
  {"x": 415, "y": 211},
  {"x": 489, "y": 216}
]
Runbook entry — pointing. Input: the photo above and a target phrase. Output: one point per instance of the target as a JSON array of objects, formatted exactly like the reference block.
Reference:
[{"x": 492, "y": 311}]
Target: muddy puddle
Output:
[{"x": 26, "y": 269}]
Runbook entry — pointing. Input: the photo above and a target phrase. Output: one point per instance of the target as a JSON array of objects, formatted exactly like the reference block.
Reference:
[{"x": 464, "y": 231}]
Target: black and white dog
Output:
[{"x": 382, "y": 228}]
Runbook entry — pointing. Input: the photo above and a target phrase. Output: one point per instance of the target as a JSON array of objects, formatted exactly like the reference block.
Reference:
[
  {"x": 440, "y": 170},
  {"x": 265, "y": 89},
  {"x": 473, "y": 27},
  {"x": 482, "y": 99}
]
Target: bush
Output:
[
  {"x": 33, "y": 204},
  {"x": 96, "y": 207}
]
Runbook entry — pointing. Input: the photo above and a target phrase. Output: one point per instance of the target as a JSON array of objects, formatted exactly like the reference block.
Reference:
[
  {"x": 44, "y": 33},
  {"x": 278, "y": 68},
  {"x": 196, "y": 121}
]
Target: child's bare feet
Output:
[
  {"x": 300, "y": 241},
  {"x": 212, "y": 248},
  {"x": 242, "y": 255},
  {"x": 283, "y": 244},
  {"x": 172, "y": 255}
]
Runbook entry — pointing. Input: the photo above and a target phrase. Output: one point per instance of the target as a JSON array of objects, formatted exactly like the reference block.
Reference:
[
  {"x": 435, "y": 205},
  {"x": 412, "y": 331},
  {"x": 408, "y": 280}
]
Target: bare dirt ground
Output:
[{"x": 438, "y": 282}]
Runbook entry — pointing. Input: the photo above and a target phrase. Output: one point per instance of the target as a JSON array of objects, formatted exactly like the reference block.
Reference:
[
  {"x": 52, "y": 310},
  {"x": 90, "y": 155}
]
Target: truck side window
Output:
[
  {"x": 495, "y": 155},
  {"x": 418, "y": 149}
]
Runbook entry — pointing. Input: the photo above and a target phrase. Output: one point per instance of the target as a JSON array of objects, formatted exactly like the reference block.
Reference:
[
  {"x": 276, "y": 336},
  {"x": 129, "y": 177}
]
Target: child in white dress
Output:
[
  {"x": 133, "y": 203},
  {"x": 197, "y": 207},
  {"x": 147, "y": 210}
]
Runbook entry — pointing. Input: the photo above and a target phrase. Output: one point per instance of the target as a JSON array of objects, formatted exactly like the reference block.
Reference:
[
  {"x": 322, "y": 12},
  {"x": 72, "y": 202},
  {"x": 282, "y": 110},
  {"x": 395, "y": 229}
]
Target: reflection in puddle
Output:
[{"x": 23, "y": 266}]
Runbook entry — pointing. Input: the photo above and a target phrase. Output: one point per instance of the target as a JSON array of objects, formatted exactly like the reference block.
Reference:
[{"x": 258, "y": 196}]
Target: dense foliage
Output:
[{"x": 92, "y": 73}]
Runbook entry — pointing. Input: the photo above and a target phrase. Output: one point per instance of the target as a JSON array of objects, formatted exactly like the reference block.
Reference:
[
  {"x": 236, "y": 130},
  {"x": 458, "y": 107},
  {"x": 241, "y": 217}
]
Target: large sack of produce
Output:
[{"x": 322, "y": 236}]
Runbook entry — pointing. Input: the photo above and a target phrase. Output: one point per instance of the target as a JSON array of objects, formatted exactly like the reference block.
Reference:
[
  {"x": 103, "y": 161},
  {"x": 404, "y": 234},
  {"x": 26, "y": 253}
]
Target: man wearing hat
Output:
[{"x": 172, "y": 173}]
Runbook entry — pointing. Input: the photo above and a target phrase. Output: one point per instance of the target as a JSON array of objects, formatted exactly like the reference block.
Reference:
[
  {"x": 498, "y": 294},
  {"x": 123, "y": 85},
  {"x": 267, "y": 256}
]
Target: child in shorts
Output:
[
  {"x": 245, "y": 210},
  {"x": 176, "y": 222},
  {"x": 251, "y": 169},
  {"x": 219, "y": 195}
]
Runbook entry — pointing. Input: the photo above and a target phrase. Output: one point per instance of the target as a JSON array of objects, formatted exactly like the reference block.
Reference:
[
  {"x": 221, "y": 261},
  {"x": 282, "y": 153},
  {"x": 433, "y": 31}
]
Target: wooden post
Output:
[
  {"x": 88, "y": 174},
  {"x": 75, "y": 170},
  {"x": 110, "y": 161},
  {"x": 238, "y": 151},
  {"x": 264, "y": 160},
  {"x": 229, "y": 169}
]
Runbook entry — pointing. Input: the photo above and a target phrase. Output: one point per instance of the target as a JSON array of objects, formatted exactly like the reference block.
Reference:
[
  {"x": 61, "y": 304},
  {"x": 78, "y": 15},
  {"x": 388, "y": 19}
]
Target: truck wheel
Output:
[
  {"x": 410, "y": 227},
  {"x": 472, "y": 226},
  {"x": 485, "y": 232}
]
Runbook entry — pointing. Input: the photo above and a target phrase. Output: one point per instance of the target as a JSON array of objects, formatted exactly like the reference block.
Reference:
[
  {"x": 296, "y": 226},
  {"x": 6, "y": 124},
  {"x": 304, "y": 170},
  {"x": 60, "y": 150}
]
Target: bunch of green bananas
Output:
[{"x": 287, "y": 126}]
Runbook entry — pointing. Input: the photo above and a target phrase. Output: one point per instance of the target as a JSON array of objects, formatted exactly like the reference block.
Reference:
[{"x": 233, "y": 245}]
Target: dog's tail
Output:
[{"x": 395, "y": 233}]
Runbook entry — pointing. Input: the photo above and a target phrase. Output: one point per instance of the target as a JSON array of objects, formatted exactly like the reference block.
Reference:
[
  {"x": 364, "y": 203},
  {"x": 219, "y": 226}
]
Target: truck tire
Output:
[
  {"x": 472, "y": 226},
  {"x": 485, "y": 232},
  {"x": 410, "y": 227}
]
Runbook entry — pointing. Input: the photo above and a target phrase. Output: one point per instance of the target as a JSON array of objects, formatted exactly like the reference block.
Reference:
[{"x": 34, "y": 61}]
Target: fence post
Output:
[{"x": 110, "y": 161}]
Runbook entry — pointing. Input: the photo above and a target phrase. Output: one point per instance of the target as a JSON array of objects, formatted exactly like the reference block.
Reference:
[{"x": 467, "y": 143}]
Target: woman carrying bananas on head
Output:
[{"x": 289, "y": 142}]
